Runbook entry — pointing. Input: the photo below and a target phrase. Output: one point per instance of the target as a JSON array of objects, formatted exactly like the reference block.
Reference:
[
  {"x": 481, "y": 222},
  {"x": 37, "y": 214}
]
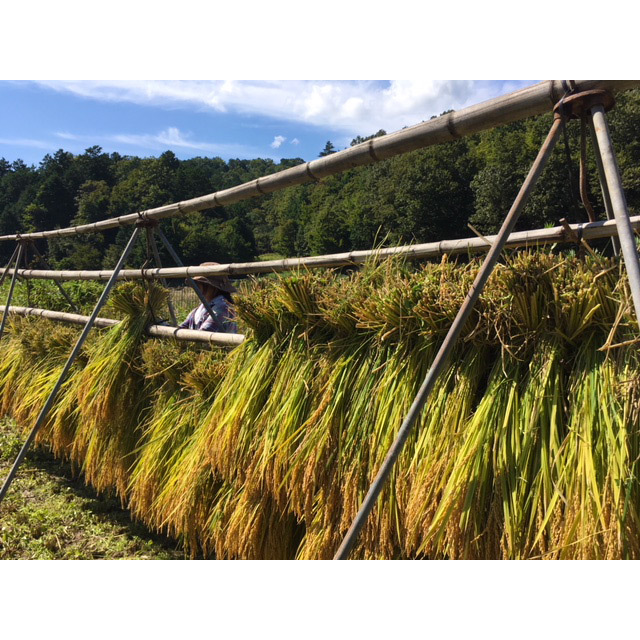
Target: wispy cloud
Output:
[
  {"x": 295, "y": 141},
  {"x": 277, "y": 142},
  {"x": 26, "y": 142},
  {"x": 169, "y": 138},
  {"x": 350, "y": 106}
]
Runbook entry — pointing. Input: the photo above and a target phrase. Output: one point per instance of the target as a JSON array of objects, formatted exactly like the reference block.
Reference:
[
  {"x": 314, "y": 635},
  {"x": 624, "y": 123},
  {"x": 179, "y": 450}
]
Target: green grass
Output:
[
  {"x": 45, "y": 294},
  {"x": 263, "y": 257},
  {"x": 49, "y": 514}
]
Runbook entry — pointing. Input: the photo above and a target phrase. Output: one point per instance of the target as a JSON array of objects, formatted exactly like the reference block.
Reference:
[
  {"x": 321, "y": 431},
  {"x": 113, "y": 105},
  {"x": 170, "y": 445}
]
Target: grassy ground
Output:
[{"x": 49, "y": 514}]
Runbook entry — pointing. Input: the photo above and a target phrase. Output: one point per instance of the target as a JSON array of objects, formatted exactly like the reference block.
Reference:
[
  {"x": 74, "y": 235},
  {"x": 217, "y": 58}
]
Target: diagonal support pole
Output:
[
  {"x": 11, "y": 287},
  {"x": 190, "y": 281},
  {"x": 151, "y": 238},
  {"x": 618, "y": 204},
  {"x": 450, "y": 340},
  {"x": 6, "y": 269},
  {"x": 72, "y": 357},
  {"x": 46, "y": 265}
]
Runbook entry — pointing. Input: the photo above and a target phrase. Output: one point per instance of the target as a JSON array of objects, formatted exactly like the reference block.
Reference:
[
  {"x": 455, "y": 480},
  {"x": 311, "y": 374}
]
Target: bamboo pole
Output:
[
  {"x": 533, "y": 238},
  {"x": 531, "y": 101},
  {"x": 606, "y": 197},
  {"x": 155, "y": 330}
]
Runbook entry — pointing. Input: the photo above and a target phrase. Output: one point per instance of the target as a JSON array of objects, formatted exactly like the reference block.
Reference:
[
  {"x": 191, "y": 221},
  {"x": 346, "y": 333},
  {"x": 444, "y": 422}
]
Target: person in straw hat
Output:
[{"x": 217, "y": 292}]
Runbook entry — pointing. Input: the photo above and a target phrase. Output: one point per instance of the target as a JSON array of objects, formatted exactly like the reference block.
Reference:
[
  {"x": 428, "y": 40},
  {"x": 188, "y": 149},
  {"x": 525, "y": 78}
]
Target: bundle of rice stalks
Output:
[
  {"x": 438, "y": 444},
  {"x": 526, "y": 447},
  {"x": 111, "y": 393},
  {"x": 36, "y": 352},
  {"x": 593, "y": 512},
  {"x": 217, "y": 517},
  {"x": 249, "y": 525},
  {"x": 192, "y": 503},
  {"x": 182, "y": 380}
]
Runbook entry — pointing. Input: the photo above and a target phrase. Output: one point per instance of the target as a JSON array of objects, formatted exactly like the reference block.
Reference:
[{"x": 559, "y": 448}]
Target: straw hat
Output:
[{"x": 219, "y": 282}]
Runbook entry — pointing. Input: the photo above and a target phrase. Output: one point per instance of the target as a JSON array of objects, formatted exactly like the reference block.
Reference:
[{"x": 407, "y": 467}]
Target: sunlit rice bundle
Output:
[
  {"x": 183, "y": 379},
  {"x": 527, "y": 446},
  {"x": 111, "y": 390},
  {"x": 594, "y": 510},
  {"x": 425, "y": 474},
  {"x": 185, "y": 502},
  {"x": 36, "y": 351}
]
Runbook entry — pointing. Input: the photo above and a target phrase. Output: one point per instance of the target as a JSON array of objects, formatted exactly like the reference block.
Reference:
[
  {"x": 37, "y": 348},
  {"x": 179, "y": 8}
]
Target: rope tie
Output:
[{"x": 144, "y": 220}]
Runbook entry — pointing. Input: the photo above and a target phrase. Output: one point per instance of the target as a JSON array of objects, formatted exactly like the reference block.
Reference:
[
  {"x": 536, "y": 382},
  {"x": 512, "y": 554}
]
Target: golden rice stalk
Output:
[
  {"x": 438, "y": 445},
  {"x": 184, "y": 381},
  {"x": 111, "y": 392}
]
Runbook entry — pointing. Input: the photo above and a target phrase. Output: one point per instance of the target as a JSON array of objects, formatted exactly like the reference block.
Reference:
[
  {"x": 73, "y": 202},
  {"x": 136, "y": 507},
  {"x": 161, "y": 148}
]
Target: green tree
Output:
[{"x": 328, "y": 149}]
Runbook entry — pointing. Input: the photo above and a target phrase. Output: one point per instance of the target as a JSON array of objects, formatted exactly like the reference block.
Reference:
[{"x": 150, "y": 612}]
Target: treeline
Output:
[{"x": 422, "y": 196}]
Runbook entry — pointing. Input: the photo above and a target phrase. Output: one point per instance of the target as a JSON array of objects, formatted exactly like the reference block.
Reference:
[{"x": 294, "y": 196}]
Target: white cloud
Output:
[
  {"x": 295, "y": 141},
  {"x": 277, "y": 142},
  {"x": 169, "y": 138},
  {"x": 355, "y": 107},
  {"x": 26, "y": 142},
  {"x": 65, "y": 135}
]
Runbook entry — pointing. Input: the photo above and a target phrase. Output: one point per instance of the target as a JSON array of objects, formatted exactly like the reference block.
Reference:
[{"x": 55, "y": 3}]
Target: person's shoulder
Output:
[{"x": 220, "y": 301}]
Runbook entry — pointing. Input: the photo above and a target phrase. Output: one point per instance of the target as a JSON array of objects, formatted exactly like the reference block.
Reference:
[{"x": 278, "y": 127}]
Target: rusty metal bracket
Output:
[{"x": 578, "y": 105}]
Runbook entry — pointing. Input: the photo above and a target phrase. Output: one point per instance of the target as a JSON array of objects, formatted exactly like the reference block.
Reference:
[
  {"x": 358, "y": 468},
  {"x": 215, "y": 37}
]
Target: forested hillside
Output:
[{"x": 426, "y": 195}]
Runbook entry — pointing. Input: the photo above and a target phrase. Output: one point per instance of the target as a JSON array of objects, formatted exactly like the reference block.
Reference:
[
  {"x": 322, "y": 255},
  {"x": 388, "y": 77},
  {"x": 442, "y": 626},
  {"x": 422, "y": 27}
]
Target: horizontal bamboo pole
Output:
[
  {"x": 156, "y": 330},
  {"x": 530, "y": 101},
  {"x": 590, "y": 231}
]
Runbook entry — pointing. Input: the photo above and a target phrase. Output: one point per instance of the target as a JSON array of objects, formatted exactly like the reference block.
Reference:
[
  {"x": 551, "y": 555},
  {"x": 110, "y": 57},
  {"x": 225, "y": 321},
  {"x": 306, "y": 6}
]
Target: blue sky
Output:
[{"x": 230, "y": 119}]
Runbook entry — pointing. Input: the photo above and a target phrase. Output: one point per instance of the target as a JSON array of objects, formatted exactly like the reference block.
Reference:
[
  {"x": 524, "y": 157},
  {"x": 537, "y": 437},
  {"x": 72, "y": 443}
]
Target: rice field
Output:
[{"x": 527, "y": 448}]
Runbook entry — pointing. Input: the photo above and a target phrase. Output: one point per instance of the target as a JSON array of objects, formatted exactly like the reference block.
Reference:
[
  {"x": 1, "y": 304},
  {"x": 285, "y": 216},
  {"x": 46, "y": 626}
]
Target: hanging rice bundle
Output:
[
  {"x": 594, "y": 509},
  {"x": 366, "y": 400},
  {"x": 249, "y": 525},
  {"x": 181, "y": 380},
  {"x": 437, "y": 446},
  {"x": 36, "y": 351},
  {"x": 57, "y": 342},
  {"x": 526, "y": 447},
  {"x": 191, "y": 498},
  {"x": 111, "y": 393},
  {"x": 496, "y": 500}
]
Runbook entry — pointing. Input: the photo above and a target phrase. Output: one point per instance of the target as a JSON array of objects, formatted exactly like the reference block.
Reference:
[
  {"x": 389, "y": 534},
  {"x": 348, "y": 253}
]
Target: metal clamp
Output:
[{"x": 578, "y": 105}]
